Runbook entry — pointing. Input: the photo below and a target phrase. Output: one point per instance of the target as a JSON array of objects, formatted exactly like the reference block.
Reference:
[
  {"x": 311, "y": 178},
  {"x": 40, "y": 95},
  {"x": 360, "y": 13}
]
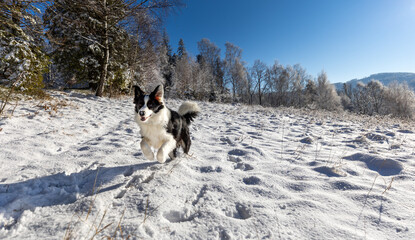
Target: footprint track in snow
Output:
[
  {"x": 210, "y": 169},
  {"x": 244, "y": 166},
  {"x": 240, "y": 211},
  {"x": 200, "y": 195},
  {"x": 179, "y": 216},
  {"x": 252, "y": 180},
  {"x": 236, "y": 156},
  {"x": 237, "y": 152},
  {"x": 137, "y": 182}
]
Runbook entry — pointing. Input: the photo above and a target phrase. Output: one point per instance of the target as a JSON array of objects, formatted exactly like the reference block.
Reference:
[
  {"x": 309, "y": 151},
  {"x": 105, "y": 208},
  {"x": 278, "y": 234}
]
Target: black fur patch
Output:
[
  {"x": 190, "y": 116},
  {"x": 138, "y": 95},
  {"x": 179, "y": 128},
  {"x": 152, "y": 104}
]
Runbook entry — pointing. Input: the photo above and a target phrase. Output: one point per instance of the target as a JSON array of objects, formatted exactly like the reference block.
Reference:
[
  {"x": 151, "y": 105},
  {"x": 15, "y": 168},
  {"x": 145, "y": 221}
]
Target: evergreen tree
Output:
[
  {"x": 166, "y": 62},
  {"x": 181, "y": 49},
  {"x": 88, "y": 45},
  {"x": 22, "y": 57},
  {"x": 88, "y": 36}
]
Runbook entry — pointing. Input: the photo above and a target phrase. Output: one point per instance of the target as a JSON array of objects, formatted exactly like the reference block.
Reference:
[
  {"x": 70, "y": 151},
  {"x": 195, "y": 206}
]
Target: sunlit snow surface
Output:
[{"x": 252, "y": 173}]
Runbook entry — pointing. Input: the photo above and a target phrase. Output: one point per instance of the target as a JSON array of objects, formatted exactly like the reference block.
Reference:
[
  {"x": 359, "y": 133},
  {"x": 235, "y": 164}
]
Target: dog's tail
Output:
[{"x": 189, "y": 110}]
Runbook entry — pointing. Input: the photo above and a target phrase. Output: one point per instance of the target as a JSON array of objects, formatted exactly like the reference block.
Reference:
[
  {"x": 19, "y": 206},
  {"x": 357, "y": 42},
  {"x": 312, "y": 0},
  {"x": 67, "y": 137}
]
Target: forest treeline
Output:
[{"x": 112, "y": 45}]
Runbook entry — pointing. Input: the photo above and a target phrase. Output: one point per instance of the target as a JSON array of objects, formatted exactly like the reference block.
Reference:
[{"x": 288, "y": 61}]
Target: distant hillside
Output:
[{"x": 385, "y": 78}]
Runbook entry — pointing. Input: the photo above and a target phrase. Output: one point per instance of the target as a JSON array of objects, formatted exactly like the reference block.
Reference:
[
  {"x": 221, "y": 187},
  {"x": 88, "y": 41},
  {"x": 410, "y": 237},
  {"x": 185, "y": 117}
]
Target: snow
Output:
[{"x": 73, "y": 168}]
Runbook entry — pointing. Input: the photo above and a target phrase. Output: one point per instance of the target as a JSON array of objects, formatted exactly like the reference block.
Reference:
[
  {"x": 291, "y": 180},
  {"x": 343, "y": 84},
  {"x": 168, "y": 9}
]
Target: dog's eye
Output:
[{"x": 150, "y": 105}]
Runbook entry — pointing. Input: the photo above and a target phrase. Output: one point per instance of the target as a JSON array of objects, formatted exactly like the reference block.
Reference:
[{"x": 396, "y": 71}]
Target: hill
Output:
[{"x": 384, "y": 78}]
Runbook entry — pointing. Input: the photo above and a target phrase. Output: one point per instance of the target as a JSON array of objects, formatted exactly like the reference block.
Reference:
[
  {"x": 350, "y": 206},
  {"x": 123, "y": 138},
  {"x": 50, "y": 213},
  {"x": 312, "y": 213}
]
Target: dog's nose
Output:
[{"x": 142, "y": 113}]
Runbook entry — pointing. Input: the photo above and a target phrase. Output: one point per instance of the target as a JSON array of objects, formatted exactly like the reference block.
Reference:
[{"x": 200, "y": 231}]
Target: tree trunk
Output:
[
  {"x": 259, "y": 91},
  {"x": 233, "y": 89},
  {"x": 104, "y": 67}
]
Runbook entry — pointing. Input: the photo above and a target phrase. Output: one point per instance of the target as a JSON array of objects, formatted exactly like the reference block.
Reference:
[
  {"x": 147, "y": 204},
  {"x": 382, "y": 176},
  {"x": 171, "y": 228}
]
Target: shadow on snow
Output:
[{"x": 59, "y": 189}]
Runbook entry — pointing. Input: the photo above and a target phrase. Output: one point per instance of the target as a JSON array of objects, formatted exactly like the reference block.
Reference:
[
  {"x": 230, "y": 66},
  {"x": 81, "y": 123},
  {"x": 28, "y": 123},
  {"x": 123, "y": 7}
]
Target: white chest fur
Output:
[{"x": 154, "y": 130}]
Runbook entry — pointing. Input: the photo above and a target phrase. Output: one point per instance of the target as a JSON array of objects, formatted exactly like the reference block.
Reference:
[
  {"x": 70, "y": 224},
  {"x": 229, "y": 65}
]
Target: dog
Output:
[{"x": 161, "y": 128}]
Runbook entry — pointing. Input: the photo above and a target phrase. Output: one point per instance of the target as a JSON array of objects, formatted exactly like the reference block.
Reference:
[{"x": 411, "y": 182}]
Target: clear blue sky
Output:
[{"x": 347, "y": 38}]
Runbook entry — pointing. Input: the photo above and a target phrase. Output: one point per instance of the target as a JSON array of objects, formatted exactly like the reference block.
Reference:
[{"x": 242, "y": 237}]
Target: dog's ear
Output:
[
  {"x": 137, "y": 92},
  {"x": 158, "y": 93}
]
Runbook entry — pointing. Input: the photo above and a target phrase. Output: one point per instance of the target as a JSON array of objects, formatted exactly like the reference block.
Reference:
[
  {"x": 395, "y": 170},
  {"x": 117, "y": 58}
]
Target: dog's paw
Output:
[
  {"x": 161, "y": 157},
  {"x": 172, "y": 156},
  {"x": 149, "y": 155}
]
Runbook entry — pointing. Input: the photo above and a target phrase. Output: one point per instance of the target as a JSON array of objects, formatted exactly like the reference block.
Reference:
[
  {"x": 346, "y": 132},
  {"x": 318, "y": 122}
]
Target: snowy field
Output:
[{"x": 73, "y": 169}]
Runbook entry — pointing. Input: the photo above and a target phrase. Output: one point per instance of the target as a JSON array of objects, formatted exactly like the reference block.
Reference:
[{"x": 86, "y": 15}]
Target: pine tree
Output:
[
  {"x": 181, "y": 49},
  {"x": 22, "y": 57},
  {"x": 89, "y": 35},
  {"x": 166, "y": 62}
]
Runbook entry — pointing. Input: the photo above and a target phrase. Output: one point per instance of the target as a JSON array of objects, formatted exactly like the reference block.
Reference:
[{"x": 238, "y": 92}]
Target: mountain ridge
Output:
[{"x": 385, "y": 78}]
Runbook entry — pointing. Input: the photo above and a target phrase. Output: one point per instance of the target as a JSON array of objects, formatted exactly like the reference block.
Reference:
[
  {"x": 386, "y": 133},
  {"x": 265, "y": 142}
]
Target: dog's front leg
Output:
[
  {"x": 165, "y": 149},
  {"x": 148, "y": 153}
]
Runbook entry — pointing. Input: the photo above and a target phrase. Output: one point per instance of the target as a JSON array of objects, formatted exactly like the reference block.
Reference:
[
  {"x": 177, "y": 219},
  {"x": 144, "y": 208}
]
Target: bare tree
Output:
[
  {"x": 375, "y": 97},
  {"x": 277, "y": 84},
  {"x": 299, "y": 79},
  {"x": 282, "y": 84},
  {"x": 183, "y": 76},
  {"x": 258, "y": 73},
  {"x": 209, "y": 54},
  {"x": 250, "y": 88},
  {"x": 271, "y": 74},
  {"x": 310, "y": 93},
  {"x": 235, "y": 73},
  {"x": 359, "y": 98},
  {"x": 400, "y": 100},
  {"x": 397, "y": 99},
  {"x": 327, "y": 97},
  {"x": 241, "y": 74},
  {"x": 202, "y": 77}
]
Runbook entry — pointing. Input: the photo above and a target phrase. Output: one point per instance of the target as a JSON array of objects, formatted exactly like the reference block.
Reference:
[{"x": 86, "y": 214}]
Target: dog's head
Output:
[{"x": 148, "y": 105}]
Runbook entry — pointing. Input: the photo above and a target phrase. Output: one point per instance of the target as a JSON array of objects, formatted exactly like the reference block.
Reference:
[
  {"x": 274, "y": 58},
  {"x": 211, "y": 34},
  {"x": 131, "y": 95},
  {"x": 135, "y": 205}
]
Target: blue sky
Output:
[{"x": 347, "y": 38}]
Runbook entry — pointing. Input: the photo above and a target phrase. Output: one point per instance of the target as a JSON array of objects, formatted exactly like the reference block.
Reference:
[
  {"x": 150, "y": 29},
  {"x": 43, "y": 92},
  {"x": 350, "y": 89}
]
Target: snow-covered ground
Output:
[{"x": 252, "y": 173}]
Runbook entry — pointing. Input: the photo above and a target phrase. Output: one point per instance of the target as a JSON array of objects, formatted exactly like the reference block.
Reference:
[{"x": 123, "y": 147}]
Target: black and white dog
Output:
[{"x": 161, "y": 128}]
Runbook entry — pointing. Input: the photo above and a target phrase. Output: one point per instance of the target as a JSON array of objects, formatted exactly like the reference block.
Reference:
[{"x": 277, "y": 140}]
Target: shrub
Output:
[{"x": 400, "y": 100}]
